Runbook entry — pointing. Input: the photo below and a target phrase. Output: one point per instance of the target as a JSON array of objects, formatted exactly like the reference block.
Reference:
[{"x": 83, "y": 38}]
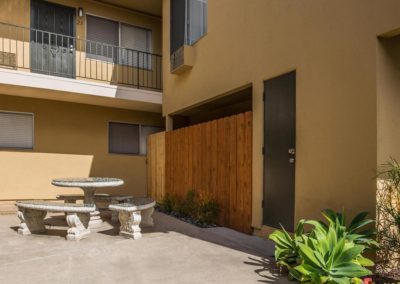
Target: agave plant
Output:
[
  {"x": 355, "y": 232},
  {"x": 286, "y": 246},
  {"x": 329, "y": 253},
  {"x": 328, "y": 258}
]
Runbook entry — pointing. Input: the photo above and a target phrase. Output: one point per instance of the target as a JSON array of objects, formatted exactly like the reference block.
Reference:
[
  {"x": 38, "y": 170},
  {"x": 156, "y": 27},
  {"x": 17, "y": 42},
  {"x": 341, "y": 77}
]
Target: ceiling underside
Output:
[{"x": 151, "y": 7}]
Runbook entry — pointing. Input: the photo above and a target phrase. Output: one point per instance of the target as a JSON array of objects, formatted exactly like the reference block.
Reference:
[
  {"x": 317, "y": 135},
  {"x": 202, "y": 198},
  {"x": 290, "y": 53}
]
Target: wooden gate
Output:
[{"x": 213, "y": 159}]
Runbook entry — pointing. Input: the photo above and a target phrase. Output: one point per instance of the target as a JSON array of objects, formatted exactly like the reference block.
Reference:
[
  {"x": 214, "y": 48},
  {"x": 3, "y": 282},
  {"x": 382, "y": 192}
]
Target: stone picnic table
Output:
[{"x": 89, "y": 186}]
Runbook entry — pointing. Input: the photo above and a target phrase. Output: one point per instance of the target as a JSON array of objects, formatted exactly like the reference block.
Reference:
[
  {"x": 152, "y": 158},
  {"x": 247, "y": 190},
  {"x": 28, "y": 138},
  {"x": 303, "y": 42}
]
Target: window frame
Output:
[
  {"x": 33, "y": 131},
  {"x": 187, "y": 22},
  {"x": 140, "y": 125}
]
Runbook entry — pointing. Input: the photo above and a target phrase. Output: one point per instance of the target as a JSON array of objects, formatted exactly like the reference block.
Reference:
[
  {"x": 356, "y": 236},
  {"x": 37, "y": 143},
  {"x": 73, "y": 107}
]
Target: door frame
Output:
[{"x": 263, "y": 146}]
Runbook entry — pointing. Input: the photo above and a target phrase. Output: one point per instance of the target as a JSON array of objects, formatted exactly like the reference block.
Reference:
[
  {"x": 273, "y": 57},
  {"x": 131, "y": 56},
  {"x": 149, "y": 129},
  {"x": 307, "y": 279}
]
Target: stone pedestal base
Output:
[
  {"x": 147, "y": 218},
  {"x": 78, "y": 226},
  {"x": 32, "y": 221},
  {"x": 130, "y": 224},
  {"x": 95, "y": 220},
  {"x": 114, "y": 214}
]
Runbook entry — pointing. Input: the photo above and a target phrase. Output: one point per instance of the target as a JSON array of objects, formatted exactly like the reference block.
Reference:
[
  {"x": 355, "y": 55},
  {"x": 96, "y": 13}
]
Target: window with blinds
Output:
[
  {"x": 123, "y": 138},
  {"x": 106, "y": 36},
  {"x": 136, "y": 46},
  {"x": 16, "y": 130},
  {"x": 102, "y": 38},
  {"x": 126, "y": 138}
]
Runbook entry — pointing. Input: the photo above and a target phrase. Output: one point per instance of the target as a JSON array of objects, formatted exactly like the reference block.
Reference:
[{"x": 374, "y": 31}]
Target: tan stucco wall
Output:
[
  {"x": 332, "y": 46},
  {"x": 388, "y": 86},
  {"x": 71, "y": 140}
]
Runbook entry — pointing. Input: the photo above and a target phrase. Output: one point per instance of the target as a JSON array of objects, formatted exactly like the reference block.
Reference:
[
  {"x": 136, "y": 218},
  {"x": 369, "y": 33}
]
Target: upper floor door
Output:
[{"x": 52, "y": 39}]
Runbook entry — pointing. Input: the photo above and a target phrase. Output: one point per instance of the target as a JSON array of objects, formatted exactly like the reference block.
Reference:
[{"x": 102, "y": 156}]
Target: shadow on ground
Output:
[{"x": 265, "y": 268}]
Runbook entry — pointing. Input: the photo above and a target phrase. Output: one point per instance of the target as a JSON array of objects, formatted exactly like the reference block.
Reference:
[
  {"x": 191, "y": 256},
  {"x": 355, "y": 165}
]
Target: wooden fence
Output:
[{"x": 215, "y": 160}]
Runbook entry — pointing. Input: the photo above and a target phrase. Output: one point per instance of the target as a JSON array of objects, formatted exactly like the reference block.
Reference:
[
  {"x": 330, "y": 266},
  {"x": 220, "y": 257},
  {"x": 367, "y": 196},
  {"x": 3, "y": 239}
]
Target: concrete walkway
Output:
[{"x": 171, "y": 252}]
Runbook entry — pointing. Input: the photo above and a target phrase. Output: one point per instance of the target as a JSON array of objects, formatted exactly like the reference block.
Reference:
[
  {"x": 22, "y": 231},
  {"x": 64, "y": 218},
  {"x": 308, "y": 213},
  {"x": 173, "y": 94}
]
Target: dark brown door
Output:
[
  {"x": 52, "y": 39},
  {"x": 279, "y": 150}
]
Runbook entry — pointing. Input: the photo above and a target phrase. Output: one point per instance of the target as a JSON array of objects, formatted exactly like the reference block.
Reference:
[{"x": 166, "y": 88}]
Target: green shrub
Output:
[
  {"x": 168, "y": 204},
  {"x": 187, "y": 207},
  {"x": 329, "y": 253},
  {"x": 207, "y": 210},
  {"x": 203, "y": 211}
]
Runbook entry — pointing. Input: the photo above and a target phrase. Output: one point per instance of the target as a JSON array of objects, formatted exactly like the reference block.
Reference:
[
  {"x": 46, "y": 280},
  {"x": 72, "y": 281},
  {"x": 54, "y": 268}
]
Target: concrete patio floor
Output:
[{"x": 171, "y": 252}]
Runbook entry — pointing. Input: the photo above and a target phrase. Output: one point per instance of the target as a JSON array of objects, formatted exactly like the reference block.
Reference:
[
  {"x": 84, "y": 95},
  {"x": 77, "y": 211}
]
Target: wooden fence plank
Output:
[
  {"x": 213, "y": 158},
  {"x": 156, "y": 165},
  {"x": 232, "y": 173}
]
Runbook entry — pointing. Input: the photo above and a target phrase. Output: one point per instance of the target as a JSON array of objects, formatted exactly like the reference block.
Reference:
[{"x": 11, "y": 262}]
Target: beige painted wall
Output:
[
  {"x": 332, "y": 46},
  {"x": 388, "y": 86},
  {"x": 71, "y": 140}
]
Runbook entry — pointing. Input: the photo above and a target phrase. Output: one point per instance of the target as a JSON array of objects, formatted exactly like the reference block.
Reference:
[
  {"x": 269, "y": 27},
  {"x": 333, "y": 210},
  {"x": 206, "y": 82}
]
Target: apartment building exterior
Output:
[
  {"x": 83, "y": 83},
  {"x": 321, "y": 80},
  {"x": 80, "y": 90}
]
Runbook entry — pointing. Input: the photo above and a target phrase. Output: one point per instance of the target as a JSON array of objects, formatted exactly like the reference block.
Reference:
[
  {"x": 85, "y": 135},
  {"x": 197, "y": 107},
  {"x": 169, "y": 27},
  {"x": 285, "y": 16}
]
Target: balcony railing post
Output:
[{"x": 138, "y": 69}]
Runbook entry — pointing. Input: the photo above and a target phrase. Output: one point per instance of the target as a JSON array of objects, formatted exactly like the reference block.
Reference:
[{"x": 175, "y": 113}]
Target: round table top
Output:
[{"x": 88, "y": 182}]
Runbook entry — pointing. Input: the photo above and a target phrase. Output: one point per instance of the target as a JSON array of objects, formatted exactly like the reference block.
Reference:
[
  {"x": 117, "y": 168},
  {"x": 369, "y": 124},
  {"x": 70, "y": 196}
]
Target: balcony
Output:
[{"x": 28, "y": 51}]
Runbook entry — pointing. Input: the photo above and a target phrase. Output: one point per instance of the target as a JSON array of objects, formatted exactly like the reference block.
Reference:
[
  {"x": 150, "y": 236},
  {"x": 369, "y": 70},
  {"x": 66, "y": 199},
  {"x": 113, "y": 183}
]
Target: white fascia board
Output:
[{"x": 33, "y": 80}]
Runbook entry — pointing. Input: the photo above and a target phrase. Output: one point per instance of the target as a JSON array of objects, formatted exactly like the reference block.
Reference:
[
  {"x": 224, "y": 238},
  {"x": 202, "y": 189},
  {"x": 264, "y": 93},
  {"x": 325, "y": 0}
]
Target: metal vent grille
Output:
[
  {"x": 177, "y": 59},
  {"x": 8, "y": 59}
]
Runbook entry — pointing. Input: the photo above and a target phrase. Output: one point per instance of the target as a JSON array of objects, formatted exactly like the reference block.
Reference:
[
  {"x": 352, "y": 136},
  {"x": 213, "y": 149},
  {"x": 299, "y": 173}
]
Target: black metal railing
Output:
[{"x": 61, "y": 55}]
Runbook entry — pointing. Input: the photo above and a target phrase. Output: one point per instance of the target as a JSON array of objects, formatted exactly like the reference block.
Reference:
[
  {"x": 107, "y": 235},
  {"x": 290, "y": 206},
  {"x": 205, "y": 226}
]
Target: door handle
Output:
[
  {"x": 292, "y": 151},
  {"x": 71, "y": 48}
]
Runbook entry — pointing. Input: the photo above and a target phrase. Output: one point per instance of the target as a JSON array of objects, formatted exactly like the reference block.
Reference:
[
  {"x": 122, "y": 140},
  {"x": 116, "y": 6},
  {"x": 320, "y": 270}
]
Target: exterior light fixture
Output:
[
  {"x": 79, "y": 20},
  {"x": 80, "y": 12}
]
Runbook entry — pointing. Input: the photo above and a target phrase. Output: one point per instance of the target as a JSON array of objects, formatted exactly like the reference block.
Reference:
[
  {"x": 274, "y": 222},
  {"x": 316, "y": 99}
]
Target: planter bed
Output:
[{"x": 186, "y": 219}]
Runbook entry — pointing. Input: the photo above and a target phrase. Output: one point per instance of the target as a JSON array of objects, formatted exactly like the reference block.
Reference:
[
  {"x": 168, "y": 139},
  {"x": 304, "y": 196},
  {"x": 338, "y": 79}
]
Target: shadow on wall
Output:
[
  {"x": 130, "y": 168},
  {"x": 26, "y": 175}
]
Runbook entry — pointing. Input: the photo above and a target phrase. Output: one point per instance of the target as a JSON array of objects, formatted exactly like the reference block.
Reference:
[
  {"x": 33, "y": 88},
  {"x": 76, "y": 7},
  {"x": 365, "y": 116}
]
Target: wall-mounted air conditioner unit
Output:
[{"x": 182, "y": 59}]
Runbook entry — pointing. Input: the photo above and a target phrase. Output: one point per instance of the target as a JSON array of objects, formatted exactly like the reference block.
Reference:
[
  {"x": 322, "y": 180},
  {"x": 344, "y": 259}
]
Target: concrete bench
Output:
[
  {"x": 105, "y": 197},
  {"x": 133, "y": 215},
  {"x": 32, "y": 214},
  {"x": 98, "y": 197},
  {"x": 70, "y": 198}
]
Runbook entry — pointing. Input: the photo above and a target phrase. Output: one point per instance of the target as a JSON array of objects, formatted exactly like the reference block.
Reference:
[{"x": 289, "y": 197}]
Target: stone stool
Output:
[{"x": 130, "y": 216}]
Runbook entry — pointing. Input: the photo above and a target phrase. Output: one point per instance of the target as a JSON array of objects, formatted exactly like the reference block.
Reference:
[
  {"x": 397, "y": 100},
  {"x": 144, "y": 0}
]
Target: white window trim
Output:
[{"x": 33, "y": 130}]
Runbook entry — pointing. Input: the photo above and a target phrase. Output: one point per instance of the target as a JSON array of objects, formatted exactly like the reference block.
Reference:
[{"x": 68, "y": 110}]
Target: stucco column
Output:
[{"x": 168, "y": 123}]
